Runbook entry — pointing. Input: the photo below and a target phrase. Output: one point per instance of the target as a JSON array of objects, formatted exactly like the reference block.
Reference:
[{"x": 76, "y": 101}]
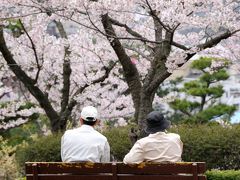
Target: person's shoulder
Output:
[
  {"x": 100, "y": 135},
  {"x": 70, "y": 131},
  {"x": 174, "y": 135},
  {"x": 143, "y": 140}
]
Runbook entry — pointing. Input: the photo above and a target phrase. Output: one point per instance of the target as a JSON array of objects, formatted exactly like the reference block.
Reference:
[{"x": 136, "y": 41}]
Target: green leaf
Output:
[
  {"x": 183, "y": 105},
  {"x": 202, "y": 63},
  {"x": 217, "y": 110}
]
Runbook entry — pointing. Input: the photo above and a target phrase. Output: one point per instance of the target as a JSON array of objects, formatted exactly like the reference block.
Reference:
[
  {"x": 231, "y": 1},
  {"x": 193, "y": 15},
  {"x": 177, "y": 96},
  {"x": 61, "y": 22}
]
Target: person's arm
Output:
[
  {"x": 106, "y": 153},
  {"x": 181, "y": 145},
  {"x": 62, "y": 143},
  {"x": 135, "y": 155}
]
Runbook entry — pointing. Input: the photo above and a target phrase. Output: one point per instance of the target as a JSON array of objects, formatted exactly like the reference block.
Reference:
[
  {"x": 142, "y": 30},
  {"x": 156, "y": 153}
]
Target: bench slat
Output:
[
  {"x": 127, "y": 177},
  {"x": 72, "y": 177},
  {"x": 59, "y": 167},
  {"x": 162, "y": 177},
  {"x": 115, "y": 171},
  {"x": 154, "y": 168}
]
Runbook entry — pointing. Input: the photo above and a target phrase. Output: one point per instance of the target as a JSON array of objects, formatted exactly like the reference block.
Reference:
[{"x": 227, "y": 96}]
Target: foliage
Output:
[
  {"x": 213, "y": 112},
  {"x": 216, "y": 145},
  {"x": 119, "y": 142},
  {"x": 7, "y": 160},
  {"x": 213, "y": 144},
  {"x": 45, "y": 148},
  {"x": 15, "y": 27},
  {"x": 200, "y": 104},
  {"x": 17, "y": 135},
  {"x": 26, "y": 132},
  {"x": 166, "y": 87},
  {"x": 223, "y": 175}
]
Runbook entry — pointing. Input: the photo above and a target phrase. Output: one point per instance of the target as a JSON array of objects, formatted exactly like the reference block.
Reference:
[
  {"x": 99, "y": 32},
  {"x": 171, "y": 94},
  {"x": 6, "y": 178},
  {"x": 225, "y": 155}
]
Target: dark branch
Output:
[
  {"x": 153, "y": 14},
  {"x": 98, "y": 80},
  {"x": 28, "y": 82},
  {"x": 34, "y": 51},
  {"x": 107, "y": 35},
  {"x": 2, "y": 95},
  {"x": 73, "y": 102},
  {"x": 66, "y": 78},
  {"x": 130, "y": 71},
  {"x": 214, "y": 41},
  {"x": 128, "y": 29},
  {"x": 211, "y": 43},
  {"x": 180, "y": 46}
]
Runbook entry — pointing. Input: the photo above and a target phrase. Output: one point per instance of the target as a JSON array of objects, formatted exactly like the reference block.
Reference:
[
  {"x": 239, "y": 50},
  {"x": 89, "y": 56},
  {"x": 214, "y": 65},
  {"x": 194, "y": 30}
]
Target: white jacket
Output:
[
  {"x": 84, "y": 144},
  {"x": 158, "y": 147}
]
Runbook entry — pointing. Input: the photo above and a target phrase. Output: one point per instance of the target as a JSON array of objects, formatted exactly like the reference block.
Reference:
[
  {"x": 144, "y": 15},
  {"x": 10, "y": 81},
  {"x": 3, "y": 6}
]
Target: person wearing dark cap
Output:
[
  {"x": 85, "y": 143},
  {"x": 158, "y": 146}
]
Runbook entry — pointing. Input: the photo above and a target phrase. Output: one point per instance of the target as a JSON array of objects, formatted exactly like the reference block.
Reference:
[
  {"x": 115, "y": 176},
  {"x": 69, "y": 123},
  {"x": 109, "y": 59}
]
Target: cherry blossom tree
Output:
[
  {"x": 54, "y": 70},
  {"x": 166, "y": 34},
  {"x": 118, "y": 54}
]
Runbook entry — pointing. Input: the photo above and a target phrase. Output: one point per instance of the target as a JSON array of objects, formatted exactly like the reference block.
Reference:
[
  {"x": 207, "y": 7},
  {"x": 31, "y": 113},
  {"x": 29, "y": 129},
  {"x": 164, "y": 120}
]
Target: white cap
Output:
[{"x": 89, "y": 113}]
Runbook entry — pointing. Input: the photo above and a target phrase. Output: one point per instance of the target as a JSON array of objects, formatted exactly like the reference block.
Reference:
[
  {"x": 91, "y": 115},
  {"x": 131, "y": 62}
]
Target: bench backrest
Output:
[{"x": 115, "y": 171}]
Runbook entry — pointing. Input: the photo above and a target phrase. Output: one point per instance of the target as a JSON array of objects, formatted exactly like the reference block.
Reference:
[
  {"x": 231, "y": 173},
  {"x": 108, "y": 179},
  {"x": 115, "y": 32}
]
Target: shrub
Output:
[
  {"x": 215, "y": 145},
  {"x": 46, "y": 148},
  {"x": 119, "y": 142},
  {"x": 223, "y": 175},
  {"x": 8, "y": 167}
]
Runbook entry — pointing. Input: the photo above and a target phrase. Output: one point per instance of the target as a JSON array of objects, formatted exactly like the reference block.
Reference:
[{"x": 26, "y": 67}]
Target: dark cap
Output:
[{"x": 156, "y": 122}]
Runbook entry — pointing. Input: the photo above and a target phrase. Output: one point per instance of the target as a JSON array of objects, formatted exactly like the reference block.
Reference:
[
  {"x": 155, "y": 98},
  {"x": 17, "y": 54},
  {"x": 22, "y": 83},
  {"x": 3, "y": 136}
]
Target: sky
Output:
[{"x": 236, "y": 117}]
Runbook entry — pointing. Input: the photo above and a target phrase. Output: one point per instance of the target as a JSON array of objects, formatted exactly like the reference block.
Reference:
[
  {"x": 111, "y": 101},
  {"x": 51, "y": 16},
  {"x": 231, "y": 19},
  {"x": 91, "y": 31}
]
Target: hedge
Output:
[
  {"x": 46, "y": 148},
  {"x": 223, "y": 175},
  {"x": 215, "y": 145},
  {"x": 119, "y": 142}
]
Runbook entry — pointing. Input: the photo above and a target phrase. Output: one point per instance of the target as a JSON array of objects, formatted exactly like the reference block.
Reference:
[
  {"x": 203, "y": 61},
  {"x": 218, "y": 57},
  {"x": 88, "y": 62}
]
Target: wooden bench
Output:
[{"x": 115, "y": 171}]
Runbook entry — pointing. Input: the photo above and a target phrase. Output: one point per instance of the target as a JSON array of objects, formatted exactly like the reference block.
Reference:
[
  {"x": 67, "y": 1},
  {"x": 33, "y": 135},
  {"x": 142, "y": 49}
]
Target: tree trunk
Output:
[
  {"x": 145, "y": 107},
  {"x": 143, "y": 91}
]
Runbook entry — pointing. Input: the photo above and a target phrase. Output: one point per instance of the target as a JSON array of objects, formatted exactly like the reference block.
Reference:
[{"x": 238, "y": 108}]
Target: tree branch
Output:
[
  {"x": 100, "y": 79},
  {"x": 2, "y": 95},
  {"x": 153, "y": 14},
  {"x": 130, "y": 71},
  {"x": 34, "y": 51},
  {"x": 180, "y": 46},
  {"x": 28, "y": 82},
  {"x": 214, "y": 41},
  {"x": 73, "y": 102},
  {"x": 138, "y": 52},
  {"x": 16, "y": 17},
  {"x": 210, "y": 43},
  {"x": 128, "y": 29},
  {"x": 107, "y": 35},
  {"x": 158, "y": 79},
  {"x": 66, "y": 77}
]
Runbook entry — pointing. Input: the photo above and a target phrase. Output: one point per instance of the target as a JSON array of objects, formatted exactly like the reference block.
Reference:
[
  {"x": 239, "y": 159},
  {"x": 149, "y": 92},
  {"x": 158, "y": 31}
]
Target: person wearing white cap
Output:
[{"x": 85, "y": 143}]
